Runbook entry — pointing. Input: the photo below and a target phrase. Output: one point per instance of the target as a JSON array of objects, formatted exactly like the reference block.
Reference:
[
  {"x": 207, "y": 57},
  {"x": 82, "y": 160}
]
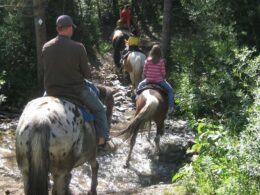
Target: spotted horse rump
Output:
[{"x": 52, "y": 137}]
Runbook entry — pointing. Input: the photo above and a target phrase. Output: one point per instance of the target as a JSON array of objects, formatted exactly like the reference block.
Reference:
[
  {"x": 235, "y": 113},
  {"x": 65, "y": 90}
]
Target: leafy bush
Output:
[
  {"x": 229, "y": 163},
  {"x": 17, "y": 60}
]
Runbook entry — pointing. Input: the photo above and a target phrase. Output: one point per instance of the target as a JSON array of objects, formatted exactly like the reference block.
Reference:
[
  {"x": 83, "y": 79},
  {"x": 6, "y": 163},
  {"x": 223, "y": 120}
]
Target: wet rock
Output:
[{"x": 119, "y": 98}]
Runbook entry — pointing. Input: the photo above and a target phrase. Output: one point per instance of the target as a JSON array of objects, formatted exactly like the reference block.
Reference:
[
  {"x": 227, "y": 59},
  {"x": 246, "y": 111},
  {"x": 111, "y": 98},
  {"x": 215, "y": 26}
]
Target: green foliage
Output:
[
  {"x": 249, "y": 147},
  {"x": 212, "y": 79},
  {"x": 105, "y": 47},
  {"x": 217, "y": 88},
  {"x": 90, "y": 25},
  {"x": 17, "y": 60},
  {"x": 226, "y": 165},
  {"x": 84, "y": 14}
]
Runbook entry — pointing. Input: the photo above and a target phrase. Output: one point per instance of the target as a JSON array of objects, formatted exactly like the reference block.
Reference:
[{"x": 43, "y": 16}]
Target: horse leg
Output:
[
  {"x": 94, "y": 168},
  {"x": 132, "y": 143},
  {"x": 61, "y": 183},
  {"x": 160, "y": 131},
  {"x": 149, "y": 126}
]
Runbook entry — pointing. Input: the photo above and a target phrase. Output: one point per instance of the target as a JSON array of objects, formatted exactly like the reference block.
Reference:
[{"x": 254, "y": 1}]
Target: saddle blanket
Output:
[{"x": 88, "y": 117}]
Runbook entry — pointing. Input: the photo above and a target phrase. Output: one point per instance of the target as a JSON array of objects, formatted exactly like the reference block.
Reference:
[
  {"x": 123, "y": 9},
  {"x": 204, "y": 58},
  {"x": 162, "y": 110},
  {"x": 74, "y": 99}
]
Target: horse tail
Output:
[
  {"x": 141, "y": 117},
  {"x": 38, "y": 158}
]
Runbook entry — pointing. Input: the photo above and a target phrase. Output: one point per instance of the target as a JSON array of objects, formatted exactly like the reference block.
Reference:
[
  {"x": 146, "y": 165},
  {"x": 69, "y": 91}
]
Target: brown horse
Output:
[
  {"x": 53, "y": 137},
  {"x": 151, "y": 105}
]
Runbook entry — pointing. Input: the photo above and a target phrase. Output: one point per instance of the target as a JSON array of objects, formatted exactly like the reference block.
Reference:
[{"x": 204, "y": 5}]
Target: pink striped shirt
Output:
[{"x": 154, "y": 73}]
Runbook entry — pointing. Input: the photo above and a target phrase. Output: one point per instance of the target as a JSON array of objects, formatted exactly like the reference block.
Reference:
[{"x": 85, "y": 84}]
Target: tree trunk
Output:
[
  {"x": 166, "y": 31},
  {"x": 40, "y": 32}
]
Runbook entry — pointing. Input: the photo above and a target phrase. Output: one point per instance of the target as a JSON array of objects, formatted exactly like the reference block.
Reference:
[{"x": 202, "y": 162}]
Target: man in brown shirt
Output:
[{"x": 65, "y": 68}]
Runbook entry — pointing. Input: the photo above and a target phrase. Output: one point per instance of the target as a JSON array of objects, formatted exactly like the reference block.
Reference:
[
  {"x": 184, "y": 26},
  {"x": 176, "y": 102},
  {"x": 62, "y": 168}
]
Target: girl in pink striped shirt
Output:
[{"x": 154, "y": 72}]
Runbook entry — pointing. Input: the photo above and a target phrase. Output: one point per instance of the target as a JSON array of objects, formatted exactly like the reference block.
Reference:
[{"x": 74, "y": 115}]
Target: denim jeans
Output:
[
  {"x": 92, "y": 101},
  {"x": 92, "y": 86},
  {"x": 163, "y": 84}
]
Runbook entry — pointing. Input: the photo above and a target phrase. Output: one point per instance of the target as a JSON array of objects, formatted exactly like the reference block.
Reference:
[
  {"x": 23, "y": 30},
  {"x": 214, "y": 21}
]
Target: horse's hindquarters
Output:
[{"x": 52, "y": 136}]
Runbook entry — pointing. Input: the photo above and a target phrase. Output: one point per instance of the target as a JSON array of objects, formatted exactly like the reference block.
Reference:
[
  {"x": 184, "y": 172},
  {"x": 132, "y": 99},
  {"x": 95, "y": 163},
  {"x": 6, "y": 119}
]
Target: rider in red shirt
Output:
[{"x": 125, "y": 16}]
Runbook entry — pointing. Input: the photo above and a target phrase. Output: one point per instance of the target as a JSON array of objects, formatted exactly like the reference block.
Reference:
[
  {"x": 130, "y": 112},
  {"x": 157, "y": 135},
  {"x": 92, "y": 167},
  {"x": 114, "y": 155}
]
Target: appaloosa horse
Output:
[
  {"x": 52, "y": 137},
  {"x": 151, "y": 105}
]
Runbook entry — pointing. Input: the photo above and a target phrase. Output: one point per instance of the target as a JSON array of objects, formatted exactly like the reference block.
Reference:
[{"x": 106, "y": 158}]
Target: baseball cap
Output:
[{"x": 65, "y": 20}]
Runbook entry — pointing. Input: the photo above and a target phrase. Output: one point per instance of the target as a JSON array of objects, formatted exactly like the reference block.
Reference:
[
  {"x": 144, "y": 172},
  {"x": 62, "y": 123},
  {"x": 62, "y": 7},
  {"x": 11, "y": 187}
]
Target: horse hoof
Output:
[{"x": 126, "y": 166}]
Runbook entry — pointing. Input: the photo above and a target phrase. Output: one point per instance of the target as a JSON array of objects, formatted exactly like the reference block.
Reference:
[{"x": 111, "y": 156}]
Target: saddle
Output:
[{"x": 155, "y": 86}]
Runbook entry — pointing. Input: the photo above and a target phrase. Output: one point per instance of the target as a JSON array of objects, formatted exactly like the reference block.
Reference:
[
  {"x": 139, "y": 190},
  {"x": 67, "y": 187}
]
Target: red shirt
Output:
[{"x": 125, "y": 16}]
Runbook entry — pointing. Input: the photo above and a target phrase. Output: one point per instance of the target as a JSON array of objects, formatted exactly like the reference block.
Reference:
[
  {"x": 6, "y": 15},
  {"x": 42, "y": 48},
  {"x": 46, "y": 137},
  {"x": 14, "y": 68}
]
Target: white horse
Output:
[
  {"x": 53, "y": 137},
  {"x": 133, "y": 65}
]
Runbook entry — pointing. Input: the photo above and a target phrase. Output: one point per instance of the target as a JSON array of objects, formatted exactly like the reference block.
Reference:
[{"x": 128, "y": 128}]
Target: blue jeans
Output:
[
  {"x": 93, "y": 87},
  {"x": 163, "y": 84},
  {"x": 92, "y": 101}
]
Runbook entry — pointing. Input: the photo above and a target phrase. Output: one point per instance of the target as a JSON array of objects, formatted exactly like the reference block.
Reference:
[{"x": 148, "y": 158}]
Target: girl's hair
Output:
[{"x": 155, "y": 54}]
